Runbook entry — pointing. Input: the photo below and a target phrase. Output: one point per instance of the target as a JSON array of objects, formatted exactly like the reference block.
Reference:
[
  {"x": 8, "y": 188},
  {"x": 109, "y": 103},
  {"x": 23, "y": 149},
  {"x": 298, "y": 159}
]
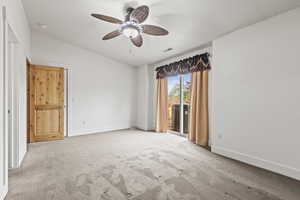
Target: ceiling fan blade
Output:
[
  {"x": 137, "y": 41},
  {"x": 154, "y": 30},
  {"x": 108, "y": 18},
  {"x": 140, "y": 14},
  {"x": 112, "y": 35}
]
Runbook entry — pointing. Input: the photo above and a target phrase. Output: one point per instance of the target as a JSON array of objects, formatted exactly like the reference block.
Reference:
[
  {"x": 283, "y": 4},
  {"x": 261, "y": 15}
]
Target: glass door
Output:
[
  {"x": 186, "y": 93},
  {"x": 174, "y": 103},
  {"x": 179, "y": 103}
]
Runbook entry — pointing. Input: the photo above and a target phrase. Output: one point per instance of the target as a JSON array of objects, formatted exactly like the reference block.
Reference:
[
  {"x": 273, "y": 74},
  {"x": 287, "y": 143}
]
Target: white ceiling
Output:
[{"x": 191, "y": 23}]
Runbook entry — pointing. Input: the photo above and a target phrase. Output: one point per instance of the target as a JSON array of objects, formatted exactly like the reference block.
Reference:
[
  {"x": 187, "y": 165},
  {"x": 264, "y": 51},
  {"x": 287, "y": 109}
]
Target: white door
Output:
[
  {"x": 3, "y": 111},
  {"x": 10, "y": 108}
]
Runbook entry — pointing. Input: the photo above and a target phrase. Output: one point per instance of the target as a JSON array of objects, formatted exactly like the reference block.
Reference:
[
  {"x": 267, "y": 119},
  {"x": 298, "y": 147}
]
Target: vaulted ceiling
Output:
[{"x": 191, "y": 23}]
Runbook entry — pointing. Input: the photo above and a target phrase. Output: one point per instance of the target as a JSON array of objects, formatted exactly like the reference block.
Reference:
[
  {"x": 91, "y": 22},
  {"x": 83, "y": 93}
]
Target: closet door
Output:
[
  {"x": 46, "y": 92},
  {"x": 3, "y": 107}
]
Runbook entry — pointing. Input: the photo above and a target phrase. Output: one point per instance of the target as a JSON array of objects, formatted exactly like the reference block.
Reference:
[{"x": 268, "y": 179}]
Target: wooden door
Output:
[{"x": 46, "y": 90}]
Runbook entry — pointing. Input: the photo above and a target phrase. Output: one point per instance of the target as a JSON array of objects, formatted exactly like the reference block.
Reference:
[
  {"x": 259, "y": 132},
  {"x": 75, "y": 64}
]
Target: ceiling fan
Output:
[{"x": 132, "y": 26}]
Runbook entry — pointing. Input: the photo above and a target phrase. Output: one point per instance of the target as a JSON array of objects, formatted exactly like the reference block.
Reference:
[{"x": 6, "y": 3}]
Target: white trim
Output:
[
  {"x": 258, "y": 162},
  {"x": 67, "y": 101},
  {"x": 181, "y": 122},
  {"x": 89, "y": 132},
  {"x": 3, "y": 193},
  {"x": 211, "y": 106},
  {"x": 21, "y": 158}
]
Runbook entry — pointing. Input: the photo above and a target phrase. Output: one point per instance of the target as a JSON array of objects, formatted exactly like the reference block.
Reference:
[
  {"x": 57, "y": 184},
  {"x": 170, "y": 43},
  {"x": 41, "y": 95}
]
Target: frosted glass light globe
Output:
[{"x": 130, "y": 32}]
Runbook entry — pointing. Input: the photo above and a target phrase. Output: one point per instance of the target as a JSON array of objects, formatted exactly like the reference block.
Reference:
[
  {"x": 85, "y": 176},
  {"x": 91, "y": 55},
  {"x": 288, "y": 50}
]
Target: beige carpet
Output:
[{"x": 137, "y": 165}]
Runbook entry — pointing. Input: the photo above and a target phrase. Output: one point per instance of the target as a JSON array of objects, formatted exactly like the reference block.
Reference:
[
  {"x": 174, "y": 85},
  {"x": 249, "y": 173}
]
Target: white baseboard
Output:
[
  {"x": 140, "y": 128},
  {"x": 88, "y": 132},
  {"x": 3, "y": 193},
  {"x": 258, "y": 162},
  {"x": 21, "y": 158}
]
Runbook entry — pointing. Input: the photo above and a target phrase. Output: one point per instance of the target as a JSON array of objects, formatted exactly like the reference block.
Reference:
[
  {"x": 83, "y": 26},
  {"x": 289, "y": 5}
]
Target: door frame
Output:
[
  {"x": 181, "y": 115},
  {"x": 27, "y": 102},
  {"x": 67, "y": 101}
]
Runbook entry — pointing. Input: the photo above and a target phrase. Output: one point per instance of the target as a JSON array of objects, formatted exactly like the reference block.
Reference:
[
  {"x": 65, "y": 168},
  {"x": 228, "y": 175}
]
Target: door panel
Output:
[
  {"x": 179, "y": 102},
  {"x": 46, "y": 103},
  {"x": 3, "y": 113},
  {"x": 174, "y": 103},
  {"x": 186, "y": 90}
]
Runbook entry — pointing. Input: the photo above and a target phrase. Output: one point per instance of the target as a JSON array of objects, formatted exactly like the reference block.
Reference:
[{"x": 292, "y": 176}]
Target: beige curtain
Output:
[
  {"x": 198, "y": 133},
  {"x": 162, "y": 105}
]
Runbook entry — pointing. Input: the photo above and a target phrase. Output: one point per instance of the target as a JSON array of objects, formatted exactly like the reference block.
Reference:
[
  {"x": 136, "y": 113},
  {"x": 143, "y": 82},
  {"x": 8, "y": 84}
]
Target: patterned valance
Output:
[{"x": 188, "y": 65}]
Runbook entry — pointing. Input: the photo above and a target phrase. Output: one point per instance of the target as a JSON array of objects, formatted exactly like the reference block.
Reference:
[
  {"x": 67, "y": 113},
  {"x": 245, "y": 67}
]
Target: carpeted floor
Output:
[{"x": 137, "y": 165}]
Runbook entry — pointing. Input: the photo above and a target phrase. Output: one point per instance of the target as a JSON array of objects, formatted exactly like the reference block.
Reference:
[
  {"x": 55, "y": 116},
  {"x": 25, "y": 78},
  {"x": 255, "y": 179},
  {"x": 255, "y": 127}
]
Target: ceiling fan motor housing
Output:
[{"x": 129, "y": 10}]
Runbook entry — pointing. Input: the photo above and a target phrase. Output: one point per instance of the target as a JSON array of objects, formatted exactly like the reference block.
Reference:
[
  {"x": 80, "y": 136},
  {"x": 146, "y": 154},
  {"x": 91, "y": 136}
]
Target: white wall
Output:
[
  {"x": 102, "y": 91},
  {"x": 256, "y": 96},
  {"x": 16, "y": 18},
  {"x": 145, "y": 98},
  {"x": 142, "y": 97}
]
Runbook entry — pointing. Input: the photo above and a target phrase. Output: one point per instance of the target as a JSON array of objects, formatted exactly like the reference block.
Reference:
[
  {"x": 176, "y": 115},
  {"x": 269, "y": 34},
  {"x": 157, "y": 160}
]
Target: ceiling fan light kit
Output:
[
  {"x": 131, "y": 29},
  {"x": 132, "y": 26}
]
